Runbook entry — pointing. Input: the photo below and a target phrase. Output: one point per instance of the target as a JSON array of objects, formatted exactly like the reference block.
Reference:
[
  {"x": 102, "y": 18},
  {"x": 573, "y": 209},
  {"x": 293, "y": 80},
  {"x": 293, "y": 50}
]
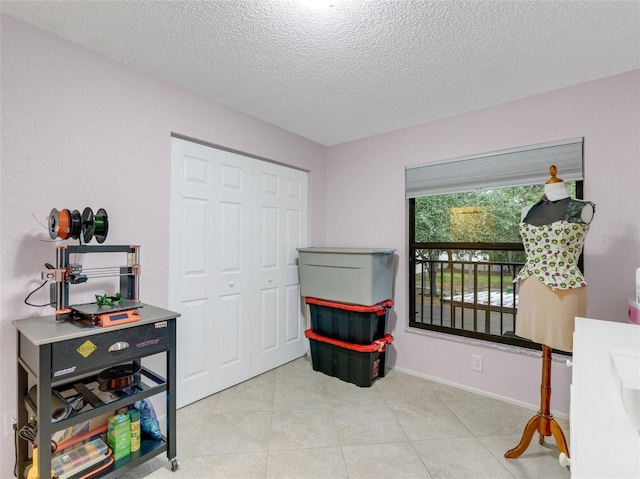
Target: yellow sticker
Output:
[{"x": 86, "y": 348}]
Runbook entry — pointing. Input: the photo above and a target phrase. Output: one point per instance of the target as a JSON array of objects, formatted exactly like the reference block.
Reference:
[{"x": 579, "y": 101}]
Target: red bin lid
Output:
[
  {"x": 378, "y": 345},
  {"x": 379, "y": 308}
]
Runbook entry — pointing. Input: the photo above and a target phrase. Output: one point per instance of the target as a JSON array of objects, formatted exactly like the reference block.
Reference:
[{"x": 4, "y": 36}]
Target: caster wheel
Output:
[{"x": 174, "y": 465}]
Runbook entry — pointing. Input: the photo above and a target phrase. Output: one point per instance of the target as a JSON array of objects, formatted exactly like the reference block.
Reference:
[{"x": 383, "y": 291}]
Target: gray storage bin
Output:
[{"x": 347, "y": 275}]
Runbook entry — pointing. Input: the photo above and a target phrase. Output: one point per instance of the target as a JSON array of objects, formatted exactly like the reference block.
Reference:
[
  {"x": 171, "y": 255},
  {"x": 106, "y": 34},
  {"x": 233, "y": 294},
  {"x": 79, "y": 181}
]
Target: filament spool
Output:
[
  {"x": 76, "y": 224},
  {"x": 88, "y": 224},
  {"x": 65, "y": 224},
  {"x": 59, "y": 224},
  {"x": 101, "y": 223}
]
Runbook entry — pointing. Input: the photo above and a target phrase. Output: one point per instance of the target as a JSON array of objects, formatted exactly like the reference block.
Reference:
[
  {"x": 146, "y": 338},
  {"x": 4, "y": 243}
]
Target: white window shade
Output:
[{"x": 523, "y": 166}]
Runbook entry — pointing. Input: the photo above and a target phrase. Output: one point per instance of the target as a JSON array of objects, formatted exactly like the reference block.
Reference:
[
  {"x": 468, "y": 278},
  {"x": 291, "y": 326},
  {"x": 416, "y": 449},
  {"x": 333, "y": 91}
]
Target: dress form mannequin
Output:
[
  {"x": 552, "y": 290},
  {"x": 555, "y": 192}
]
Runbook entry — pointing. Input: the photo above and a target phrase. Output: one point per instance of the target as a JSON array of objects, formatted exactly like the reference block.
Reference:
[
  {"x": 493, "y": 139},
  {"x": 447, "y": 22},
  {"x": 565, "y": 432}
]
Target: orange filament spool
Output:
[{"x": 59, "y": 224}]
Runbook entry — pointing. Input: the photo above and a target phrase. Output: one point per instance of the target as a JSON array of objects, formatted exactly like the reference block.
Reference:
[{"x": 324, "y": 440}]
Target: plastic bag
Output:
[{"x": 148, "y": 420}]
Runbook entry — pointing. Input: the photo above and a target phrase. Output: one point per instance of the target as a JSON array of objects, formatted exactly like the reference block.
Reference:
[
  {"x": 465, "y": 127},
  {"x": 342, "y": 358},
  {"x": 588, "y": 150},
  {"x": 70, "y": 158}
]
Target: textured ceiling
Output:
[{"x": 359, "y": 67}]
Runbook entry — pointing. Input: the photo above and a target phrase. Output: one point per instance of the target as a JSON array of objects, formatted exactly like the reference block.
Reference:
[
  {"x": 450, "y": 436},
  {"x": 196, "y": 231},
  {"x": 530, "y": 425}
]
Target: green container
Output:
[{"x": 119, "y": 435}]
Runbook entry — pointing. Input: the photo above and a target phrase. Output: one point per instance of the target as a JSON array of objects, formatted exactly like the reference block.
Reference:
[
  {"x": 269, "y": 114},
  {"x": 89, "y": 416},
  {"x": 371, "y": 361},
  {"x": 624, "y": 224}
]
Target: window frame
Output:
[{"x": 511, "y": 340}]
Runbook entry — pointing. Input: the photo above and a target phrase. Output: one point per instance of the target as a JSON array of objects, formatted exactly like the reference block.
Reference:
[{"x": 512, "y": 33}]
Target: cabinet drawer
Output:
[{"x": 99, "y": 351}]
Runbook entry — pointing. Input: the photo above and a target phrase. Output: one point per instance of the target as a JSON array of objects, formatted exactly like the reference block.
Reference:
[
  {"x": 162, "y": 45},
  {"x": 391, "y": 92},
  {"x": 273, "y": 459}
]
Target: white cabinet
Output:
[{"x": 603, "y": 444}]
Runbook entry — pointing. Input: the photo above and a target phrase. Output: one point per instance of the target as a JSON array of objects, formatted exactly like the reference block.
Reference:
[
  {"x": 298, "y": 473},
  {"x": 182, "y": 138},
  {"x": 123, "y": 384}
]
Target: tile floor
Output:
[{"x": 293, "y": 422}]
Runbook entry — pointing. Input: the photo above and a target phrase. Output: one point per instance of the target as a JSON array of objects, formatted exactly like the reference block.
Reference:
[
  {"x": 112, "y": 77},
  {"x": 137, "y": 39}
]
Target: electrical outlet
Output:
[
  {"x": 8, "y": 420},
  {"x": 476, "y": 362}
]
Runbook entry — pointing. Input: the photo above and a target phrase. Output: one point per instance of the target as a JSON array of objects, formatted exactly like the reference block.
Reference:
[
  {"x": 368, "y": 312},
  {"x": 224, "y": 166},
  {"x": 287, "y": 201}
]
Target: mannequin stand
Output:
[{"x": 543, "y": 422}]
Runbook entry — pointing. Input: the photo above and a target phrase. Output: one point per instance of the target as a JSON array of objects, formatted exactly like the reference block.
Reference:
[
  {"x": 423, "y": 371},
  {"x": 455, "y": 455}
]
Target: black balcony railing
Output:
[{"x": 466, "y": 289}]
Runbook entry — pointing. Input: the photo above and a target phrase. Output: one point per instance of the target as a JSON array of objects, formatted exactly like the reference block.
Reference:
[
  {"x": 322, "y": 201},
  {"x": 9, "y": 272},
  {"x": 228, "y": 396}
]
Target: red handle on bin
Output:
[
  {"x": 378, "y": 345},
  {"x": 379, "y": 308}
]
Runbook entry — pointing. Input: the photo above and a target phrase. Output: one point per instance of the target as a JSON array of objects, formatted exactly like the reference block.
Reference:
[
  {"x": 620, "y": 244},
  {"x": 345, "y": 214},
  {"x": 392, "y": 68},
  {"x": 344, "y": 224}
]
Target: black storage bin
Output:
[
  {"x": 349, "y": 322},
  {"x": 353, "y": 363}
]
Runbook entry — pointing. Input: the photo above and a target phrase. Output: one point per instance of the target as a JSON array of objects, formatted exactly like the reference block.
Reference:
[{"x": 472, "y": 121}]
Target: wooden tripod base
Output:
[
  {"x": 545, "y": 426},
  {"x": 543, "y": 422}
]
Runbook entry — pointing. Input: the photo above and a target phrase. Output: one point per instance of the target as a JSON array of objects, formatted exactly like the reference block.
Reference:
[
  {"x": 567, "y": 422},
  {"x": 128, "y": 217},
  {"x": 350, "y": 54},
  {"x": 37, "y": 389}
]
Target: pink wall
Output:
[
  {"x": 79, "y": 129},
  {"x": 367, "y": 207}
]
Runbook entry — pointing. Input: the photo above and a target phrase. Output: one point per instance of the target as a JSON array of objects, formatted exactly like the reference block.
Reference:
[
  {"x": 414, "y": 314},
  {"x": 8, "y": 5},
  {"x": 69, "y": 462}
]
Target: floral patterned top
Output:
[{"x": 553, "y": 250}]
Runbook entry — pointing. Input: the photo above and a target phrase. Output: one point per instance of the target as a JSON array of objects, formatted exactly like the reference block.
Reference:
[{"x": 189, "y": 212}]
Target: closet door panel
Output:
[
  {"x": 191, "y": 269},
  {"x": 280, "y": 236},
  {"x": 269, "y": 311},
  {"x": 230, "y": 334},
  {"x": 232, "y": 248},
  {"x": 192, "y": 339},
  {"x": 270, "y": 301},
  {"x": 294, "y": 326}
]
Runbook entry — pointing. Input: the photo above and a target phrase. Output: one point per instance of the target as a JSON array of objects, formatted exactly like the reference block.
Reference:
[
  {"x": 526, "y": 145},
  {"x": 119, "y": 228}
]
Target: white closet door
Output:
[
  {"x": 282, "y": 227},
  {"x": 231, "y": 244},
  {"x": 191, "y": 267},
  {"x": 235, "y": 225}
]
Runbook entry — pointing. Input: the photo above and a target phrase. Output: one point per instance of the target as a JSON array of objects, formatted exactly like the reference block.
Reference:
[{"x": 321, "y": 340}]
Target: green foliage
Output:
[{"x": 496, "y": 221}]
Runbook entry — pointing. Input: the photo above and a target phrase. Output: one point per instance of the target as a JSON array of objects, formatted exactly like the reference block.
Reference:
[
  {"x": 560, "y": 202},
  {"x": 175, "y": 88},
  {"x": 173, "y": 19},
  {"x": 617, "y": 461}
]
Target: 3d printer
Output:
[{"x": 106, "y": 311}]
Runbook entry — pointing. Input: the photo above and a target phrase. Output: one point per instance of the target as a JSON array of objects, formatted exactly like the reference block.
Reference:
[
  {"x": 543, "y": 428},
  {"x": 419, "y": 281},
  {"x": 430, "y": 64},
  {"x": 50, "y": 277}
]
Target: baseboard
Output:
[{"x": 480, "y": 392}]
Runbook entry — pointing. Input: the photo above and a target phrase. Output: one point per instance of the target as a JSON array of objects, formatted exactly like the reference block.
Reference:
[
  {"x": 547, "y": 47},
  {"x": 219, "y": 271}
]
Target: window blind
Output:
[{"x": 522, "y": 166}]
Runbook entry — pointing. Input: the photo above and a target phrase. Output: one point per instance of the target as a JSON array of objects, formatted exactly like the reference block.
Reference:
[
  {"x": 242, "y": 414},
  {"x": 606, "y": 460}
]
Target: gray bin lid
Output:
[{"x": 325, "y": 249}]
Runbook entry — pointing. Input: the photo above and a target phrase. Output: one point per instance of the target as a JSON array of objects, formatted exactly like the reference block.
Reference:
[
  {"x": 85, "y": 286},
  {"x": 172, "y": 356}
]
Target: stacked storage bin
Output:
[{"x": 348, "y": 291}]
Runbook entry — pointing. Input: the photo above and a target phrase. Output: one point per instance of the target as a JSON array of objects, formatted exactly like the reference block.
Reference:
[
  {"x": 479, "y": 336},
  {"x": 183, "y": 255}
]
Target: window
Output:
[{"x": 464, "y": 244}]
